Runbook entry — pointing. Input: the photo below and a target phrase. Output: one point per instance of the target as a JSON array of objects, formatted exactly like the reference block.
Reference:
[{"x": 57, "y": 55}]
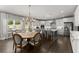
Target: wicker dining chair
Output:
[
  {"x": 13, "y": 39},
  {"x": 36, "y": 40},
  {"x": 18, "y": 42}
]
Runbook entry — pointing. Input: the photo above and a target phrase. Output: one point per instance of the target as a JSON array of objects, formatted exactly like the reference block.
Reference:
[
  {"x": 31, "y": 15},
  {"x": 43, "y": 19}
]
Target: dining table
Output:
[{"x": 28, "y": 35}]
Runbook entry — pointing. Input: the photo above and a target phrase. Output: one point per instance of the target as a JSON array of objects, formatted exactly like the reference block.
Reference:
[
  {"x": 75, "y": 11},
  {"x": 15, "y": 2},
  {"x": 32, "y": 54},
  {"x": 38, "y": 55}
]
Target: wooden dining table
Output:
[{"x": 28, "y": 35}]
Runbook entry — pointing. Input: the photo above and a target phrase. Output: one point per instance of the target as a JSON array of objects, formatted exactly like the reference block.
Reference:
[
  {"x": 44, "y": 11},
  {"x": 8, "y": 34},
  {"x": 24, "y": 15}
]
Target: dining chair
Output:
[
  {"x": 18, "y": 42},
  {"x": 13, "y": 32},
  {"x": 55, "y": 36},
  {"x": 36, "y": 40},
  {"x": 48, "y": 34},
  {"x": 43, "y": 34}
]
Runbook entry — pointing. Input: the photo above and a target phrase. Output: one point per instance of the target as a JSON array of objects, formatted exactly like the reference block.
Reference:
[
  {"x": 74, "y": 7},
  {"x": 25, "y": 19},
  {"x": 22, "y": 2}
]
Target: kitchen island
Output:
[{"x": 74, "y": 38}]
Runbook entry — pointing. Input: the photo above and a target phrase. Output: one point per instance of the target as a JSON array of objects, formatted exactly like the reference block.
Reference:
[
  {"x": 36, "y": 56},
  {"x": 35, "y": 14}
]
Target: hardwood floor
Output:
[{"x": 61, "y": 45}]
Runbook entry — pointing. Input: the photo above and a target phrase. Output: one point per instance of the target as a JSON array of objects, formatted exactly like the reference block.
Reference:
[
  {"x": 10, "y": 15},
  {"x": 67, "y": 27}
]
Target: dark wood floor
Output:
[{"x": 61, "y": 45}]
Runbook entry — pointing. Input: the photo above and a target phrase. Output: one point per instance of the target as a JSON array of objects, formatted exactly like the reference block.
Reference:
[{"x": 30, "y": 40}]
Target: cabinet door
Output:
[
  {"x": 77, "y": 44},
  {"x": 74, "y": 45}
]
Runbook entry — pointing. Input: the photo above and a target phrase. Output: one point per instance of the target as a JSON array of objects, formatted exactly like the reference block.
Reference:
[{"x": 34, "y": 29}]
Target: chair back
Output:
[
  {"x": 37, "y": 38},
  {"x": 17, "y": 39}
]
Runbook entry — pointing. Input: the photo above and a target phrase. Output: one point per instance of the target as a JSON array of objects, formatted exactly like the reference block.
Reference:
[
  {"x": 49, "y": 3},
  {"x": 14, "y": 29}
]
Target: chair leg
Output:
[
  {"x": 15, "y": 49},
  {"x": 13, "y": 46},
  {"x": 21, "y": 49}
]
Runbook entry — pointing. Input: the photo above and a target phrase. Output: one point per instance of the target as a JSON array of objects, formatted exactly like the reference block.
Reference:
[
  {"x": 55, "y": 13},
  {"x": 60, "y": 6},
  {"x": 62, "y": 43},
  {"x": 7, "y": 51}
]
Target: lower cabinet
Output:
[{"x": 74, "y": 38}]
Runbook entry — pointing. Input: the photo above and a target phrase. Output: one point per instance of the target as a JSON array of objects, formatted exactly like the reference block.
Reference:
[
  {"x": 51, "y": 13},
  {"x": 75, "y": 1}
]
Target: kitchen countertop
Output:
[{"x": 74, "y": 34}]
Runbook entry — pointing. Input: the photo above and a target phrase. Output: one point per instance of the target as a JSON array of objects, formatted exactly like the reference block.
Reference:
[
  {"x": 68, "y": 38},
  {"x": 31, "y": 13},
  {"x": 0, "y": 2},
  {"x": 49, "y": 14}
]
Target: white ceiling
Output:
[{"x": 40, "y": 11}]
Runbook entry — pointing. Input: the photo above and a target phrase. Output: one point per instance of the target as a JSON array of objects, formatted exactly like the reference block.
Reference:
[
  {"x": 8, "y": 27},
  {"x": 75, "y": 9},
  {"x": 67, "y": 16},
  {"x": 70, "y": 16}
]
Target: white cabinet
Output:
[
  {"x": 77, "y": 43},
  {"x": 74, "y": 38}
]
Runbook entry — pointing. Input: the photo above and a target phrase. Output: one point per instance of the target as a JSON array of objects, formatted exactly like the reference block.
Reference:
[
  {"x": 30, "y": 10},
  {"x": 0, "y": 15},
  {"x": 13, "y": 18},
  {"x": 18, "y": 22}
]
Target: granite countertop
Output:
[{"x": 74, "y": 34}]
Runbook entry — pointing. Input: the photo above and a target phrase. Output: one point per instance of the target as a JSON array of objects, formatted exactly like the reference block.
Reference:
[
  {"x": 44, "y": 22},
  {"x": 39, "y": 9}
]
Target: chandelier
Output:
[
  {"x": 29, "y": 14},
  {"x": 29, "y": 17}
]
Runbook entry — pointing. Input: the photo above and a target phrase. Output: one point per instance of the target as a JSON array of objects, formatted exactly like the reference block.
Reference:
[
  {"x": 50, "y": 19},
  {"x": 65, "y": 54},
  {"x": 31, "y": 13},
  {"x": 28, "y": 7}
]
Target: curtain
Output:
[
  {"x": 5, "y": 31},
  {"x": 3, "y": 26}
]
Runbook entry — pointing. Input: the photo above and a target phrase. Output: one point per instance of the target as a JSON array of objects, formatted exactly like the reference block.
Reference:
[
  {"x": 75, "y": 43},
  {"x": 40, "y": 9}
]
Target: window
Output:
[
  {"x": 18, "y": 23},
  {"x": 14, "y": 22},
  {"x": 10, "y": 24}
]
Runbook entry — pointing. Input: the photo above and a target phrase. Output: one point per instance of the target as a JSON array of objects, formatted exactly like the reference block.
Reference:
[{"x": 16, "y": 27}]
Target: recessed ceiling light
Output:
[
  {"x": 48, "y": 15},
  {"x": 62, "y": 11}
]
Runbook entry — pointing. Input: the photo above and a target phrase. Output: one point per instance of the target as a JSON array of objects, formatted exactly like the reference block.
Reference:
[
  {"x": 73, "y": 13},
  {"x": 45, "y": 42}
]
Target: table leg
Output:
[{"x": 28, "y": 40}]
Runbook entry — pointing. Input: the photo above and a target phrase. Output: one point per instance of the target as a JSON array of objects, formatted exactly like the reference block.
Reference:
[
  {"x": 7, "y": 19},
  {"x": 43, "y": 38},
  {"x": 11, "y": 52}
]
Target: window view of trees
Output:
[
  {"x": 14, "y": 22},
  {"x": 17, "y": 24},
  {"x": 10, "y": 23}
]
